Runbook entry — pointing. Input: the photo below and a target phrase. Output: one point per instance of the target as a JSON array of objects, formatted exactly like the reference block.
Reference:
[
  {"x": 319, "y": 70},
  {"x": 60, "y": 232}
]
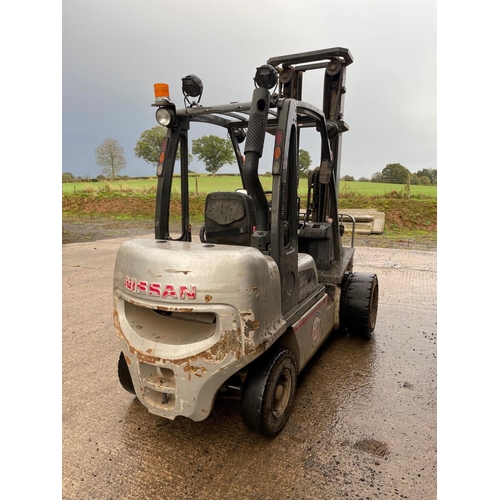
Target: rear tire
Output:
[
  {"x": 268, "y": 393},
  {"x": 361, "y": 304},
  {"x": 124, "y": 375},
  {"x": 202, "y": 234}
]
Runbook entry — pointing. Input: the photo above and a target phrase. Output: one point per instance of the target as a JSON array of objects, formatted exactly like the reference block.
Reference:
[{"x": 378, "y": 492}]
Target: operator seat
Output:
[{"x": 229, "y": 218}]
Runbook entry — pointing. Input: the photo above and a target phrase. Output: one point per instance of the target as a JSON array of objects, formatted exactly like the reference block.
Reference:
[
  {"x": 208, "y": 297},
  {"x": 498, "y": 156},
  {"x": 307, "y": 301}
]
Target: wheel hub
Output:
[{"x": 282, "y": 393}]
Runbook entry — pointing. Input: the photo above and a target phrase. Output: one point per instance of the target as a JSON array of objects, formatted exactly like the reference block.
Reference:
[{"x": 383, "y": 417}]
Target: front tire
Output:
[
  {"x": 268, "y": 393},
  {"x": 124, "y": 375},
  {"x": 361, "y": 304}
]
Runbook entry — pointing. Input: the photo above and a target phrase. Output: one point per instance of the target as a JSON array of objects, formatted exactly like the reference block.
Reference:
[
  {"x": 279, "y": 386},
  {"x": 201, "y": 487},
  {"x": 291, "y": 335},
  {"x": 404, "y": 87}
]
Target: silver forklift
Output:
[{"x": 246, "y": 307}]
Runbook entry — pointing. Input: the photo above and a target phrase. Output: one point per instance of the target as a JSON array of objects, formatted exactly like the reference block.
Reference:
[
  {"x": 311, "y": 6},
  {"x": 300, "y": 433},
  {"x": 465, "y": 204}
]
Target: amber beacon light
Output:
[
  {"x": 162, "y": 91},
  {"x": 165, "y": 114}
]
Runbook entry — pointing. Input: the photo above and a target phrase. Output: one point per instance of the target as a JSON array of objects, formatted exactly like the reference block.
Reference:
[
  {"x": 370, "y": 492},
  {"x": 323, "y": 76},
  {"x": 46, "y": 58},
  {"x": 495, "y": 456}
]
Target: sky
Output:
[{"x": 114, "y": 51}]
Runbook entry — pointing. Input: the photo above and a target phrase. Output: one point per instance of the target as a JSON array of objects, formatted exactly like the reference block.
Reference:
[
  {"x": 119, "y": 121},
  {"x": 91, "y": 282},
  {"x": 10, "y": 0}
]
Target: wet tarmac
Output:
[{"x": 363, "y": 424}]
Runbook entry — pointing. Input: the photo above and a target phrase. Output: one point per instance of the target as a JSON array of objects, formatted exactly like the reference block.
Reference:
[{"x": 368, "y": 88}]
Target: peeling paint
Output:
[
  {"x": 251, "y": 325},
  {"x": 229, "y": 344},
  {"x": 198, "y": 371},
  {"x": 208, "y": 298},
  {"x": 175, "y": 309},
  {"x": 116, "y": 322}
]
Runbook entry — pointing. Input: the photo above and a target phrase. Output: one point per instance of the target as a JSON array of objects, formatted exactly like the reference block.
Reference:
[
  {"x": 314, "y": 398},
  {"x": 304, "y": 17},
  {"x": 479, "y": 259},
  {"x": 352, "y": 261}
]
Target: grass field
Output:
[
  {"x": 409, "y": 220},
  {"x": 208, "y": 184}
]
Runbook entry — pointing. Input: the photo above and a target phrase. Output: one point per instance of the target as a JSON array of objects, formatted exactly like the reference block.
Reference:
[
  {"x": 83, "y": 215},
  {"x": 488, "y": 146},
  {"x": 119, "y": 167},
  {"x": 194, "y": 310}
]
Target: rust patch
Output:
[
  {"x": 135, "y": 303},
  {"x": 208, "y": 298},
  {"x": 173, "y": 271},
  {"x": 255, "y": 288},
  {"x": 118, "y": 329},
  {"x": 198, "y": 371},
  {"x": 160, "y": 308},
  {"x": 250, "y": 326},
  {"x": 127, "y": 359},
  {"x": 229, "y": 344},
  {"x": 175, "y": 309},
  {"x": 153, "y": 360},
  {"x": 138, "y": 354}
]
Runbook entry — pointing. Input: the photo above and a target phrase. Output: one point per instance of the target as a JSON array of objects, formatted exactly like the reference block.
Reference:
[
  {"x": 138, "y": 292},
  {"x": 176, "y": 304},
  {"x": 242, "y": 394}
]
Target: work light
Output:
[
  {"x": 165, "y": 116},
  {"x": 192, "y": 86},
  {"x": 266, "y": 77}
]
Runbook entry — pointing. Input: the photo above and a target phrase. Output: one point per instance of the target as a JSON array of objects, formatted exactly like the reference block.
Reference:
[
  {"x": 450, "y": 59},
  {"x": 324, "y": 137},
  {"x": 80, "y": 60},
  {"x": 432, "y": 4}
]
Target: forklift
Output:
[{"x": 244, "y": 306}]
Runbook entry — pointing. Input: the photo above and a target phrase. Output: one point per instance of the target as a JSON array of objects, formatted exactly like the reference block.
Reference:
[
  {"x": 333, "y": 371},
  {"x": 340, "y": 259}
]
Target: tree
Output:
[
  {"x": 415, "y": 180},
  {"x": 395, "y": 173},
  {"x": 109, "y": 156},
  {"x": 148, "y": 146},
  {"x": 348, "y": 178},
  {"x": 304, "y": 163},
  {"x": 67, "y": 177},
  {"x": 377, "y": 177},
  {"x": 214, "y": 151},
  {"x": 431, "y": 174}
]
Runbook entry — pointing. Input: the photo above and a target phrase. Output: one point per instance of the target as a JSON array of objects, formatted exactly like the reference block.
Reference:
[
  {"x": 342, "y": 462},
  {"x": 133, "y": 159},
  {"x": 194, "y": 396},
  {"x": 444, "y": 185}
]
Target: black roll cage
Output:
[{"x": 237, "y": 117}]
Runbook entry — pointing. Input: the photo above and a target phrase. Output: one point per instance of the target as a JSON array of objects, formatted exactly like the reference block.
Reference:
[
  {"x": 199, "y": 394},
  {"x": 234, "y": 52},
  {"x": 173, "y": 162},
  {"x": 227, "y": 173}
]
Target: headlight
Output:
[{"x": 165, "y": 116}]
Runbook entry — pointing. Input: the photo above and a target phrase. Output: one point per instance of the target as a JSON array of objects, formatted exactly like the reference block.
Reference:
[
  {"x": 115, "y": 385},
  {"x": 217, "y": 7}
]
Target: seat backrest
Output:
[{"x": 229, "y": 218}]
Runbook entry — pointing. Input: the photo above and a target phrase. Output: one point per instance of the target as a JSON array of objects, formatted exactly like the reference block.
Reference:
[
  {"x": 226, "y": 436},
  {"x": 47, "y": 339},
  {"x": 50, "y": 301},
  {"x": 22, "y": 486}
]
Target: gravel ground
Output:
[
  {"x": 363, "y": 424},
  {"x": 81, "y": 230}
]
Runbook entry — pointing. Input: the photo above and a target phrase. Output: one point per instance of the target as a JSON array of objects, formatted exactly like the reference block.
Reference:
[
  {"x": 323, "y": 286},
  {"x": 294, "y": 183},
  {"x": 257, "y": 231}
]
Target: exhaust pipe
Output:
[{"x": 257, "y": 124}]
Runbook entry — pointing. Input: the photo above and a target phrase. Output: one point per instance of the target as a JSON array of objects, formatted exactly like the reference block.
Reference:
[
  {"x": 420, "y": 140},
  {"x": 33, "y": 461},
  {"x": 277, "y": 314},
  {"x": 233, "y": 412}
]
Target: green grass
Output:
[
  {"x": 207, "y": 184},
  {"x": 381, "y": 189},
  {"x": 129, "y": 185}
]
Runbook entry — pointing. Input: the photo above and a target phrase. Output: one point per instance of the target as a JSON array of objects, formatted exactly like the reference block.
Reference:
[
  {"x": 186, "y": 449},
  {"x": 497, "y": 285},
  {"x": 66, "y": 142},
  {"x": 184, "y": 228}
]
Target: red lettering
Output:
[
  {"x": 130, "y": 284},
  {"x": 160, "y": 289},
  {"x": 188, "y": 291},
  {"x": 169, "y": 291}
]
